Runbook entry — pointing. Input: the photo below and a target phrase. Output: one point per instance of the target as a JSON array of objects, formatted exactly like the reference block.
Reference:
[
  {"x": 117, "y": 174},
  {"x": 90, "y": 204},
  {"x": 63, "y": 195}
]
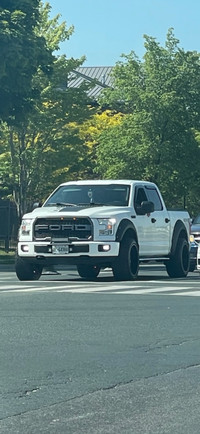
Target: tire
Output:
[
  {"x": 127, "y": 264},
  {"x": 26, "y": 271},
  {"x": 88, "y": 272},
  {"x": 178, "y": 265}
]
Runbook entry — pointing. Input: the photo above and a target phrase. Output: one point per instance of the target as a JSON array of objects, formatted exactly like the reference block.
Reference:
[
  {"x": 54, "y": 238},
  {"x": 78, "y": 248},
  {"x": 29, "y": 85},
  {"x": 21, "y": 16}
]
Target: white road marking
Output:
[
  {"x": 132, "y": 288},
  {"x": 31, "y": 288},
  {"x": 191, "y": 294},
  {"x": 98, "y": 289},
  {"x": 152, "y": 290},
  {"x": 14, "y": 287},
  {"x": 128, "y": 290}
]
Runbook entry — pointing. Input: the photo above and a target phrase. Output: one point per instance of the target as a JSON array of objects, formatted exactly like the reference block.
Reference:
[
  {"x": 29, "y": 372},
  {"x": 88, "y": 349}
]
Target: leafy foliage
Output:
[
  {"x": 22, "y": 53},
  {"x": 156, "y": 140},
  {"x": 50, "y": 133},
  {"x": 44, "y": 149},
  {"x": 90, "y": 131}
]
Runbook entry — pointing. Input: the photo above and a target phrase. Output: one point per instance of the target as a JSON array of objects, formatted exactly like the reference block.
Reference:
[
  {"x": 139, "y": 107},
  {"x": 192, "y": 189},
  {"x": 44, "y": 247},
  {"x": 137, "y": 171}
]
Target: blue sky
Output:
[{"x": 107, "y": 28}]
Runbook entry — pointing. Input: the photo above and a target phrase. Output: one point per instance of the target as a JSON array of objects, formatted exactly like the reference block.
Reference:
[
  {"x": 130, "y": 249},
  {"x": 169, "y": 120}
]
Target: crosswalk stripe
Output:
[
  {"x": 128, "y": 290},
  {"x": 110, "y": 290},
  {"x": 98, "y": 289},
  {"x": 132, "y": 288},
  {"x": 14, "y": 287},
  {"x": 191, "y": 294},
  {"x": 31, "y": 288},
  {"x": 151, "y": 290}
]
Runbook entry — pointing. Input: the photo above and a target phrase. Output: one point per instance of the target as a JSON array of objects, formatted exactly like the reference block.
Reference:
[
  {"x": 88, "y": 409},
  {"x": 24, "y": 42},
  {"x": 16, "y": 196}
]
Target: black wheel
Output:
[
  {"x": 26, "y": 271},
  {"x": 127, "y": 264},
  {"x": 88, "y": 272},
  {"x": 178, "y": 265}
]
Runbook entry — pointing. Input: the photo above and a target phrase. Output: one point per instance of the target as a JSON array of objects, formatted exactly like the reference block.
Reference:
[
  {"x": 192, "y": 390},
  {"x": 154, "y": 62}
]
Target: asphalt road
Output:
[{"x": 100, "y": 357}]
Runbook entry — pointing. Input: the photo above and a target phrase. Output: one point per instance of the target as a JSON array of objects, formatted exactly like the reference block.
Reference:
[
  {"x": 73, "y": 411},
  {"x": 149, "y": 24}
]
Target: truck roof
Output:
[{"x": 107, "y": 181}]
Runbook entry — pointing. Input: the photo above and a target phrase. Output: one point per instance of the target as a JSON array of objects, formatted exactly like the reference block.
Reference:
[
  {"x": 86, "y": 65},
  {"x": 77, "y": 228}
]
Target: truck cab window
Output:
[
  {"x": 154, "y": 197},
  {"x": 140, "y": 196}
]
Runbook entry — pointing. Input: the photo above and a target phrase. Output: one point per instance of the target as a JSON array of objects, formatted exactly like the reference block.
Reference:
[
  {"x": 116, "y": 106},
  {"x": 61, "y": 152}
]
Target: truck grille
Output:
[{"x": 65, "y": 228}]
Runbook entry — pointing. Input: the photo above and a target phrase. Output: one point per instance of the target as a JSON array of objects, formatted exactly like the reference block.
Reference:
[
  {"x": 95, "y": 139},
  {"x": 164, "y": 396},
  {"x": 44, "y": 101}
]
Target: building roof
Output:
[{"x": 100, "y": 75}]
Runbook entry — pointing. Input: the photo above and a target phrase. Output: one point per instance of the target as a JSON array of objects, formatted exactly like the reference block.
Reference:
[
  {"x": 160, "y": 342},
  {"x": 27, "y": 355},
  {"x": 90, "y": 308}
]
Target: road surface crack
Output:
[{"x": 159, "y": 345}]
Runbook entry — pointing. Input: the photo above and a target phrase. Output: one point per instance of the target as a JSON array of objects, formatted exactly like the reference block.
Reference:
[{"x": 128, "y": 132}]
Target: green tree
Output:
[
  {"x": 22, "y": 53},
  {"x": 156, "y": 140},
  {"x": 45, "y": 148},
  {"x": 89, "y": 132}
]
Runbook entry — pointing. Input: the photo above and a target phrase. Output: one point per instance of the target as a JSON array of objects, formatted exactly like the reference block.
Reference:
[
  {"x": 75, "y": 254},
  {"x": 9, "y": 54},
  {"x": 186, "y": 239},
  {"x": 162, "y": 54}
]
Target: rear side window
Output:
[{"x": 154, "y": 197}]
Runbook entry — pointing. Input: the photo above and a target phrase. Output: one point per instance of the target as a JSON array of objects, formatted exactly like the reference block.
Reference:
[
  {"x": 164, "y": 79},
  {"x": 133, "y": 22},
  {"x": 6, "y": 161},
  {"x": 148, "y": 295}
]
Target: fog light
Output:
[
  {"x": 25, "y": 248},
  {"x": 104, "y": 247}
]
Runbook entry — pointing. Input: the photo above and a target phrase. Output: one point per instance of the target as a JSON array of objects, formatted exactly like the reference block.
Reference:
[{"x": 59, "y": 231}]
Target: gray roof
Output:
[{"x": 99, "y": 74}]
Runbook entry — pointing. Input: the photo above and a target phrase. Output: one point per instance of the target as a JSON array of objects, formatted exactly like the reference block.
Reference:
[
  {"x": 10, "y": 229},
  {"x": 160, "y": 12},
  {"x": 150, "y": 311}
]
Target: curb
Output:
[{"x": 7, "y": 266}]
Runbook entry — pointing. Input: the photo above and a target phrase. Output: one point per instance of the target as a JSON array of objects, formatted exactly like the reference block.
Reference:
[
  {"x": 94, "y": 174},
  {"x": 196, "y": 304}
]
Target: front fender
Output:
[{"x": 126, "y": 227}]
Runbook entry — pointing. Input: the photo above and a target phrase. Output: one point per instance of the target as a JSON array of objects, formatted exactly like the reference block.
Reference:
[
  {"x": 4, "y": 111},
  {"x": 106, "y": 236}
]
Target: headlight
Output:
[
  {"x": 25, "y": 226},
  {"x": 107, "y": 226}
]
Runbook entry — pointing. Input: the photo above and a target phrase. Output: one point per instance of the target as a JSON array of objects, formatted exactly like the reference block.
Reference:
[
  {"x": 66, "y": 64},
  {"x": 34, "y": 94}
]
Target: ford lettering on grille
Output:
[
  {"x": 62, "y": 227},
  {"x": 80, "y": 229}
]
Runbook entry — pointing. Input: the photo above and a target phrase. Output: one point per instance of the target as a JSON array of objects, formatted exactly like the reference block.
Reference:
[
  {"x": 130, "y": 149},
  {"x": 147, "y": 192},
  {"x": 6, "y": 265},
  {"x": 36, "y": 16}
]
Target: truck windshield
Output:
[{"x": 82, "y": 195}]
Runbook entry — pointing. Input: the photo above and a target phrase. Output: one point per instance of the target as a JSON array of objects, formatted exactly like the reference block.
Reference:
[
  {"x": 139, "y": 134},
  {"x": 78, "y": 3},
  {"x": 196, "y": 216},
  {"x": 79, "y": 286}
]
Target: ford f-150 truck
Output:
[{"x": 103, "y": 223}]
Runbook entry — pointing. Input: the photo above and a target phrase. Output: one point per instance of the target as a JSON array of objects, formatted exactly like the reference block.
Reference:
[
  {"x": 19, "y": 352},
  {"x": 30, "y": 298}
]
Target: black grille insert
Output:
[{"x": 65, "y": 228}]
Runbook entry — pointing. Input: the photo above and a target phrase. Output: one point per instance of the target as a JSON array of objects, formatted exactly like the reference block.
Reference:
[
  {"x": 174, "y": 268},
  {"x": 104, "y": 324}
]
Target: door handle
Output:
[
  {"x": 153, "y": 220},
  {"x": 167, "y": 220}
]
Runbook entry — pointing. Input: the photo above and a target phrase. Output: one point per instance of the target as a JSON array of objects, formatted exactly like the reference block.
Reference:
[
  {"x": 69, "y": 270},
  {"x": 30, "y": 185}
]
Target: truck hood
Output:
[{"x": 77, "y": 211}]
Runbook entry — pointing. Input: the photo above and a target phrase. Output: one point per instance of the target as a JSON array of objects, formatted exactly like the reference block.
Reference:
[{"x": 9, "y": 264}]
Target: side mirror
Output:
[
  {"x": 147, "y": 207},
  {"x": 36, "y": 205}
]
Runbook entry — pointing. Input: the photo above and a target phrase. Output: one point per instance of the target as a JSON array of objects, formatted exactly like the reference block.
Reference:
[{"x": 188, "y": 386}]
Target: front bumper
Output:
[{"x": 84, "y": 252}]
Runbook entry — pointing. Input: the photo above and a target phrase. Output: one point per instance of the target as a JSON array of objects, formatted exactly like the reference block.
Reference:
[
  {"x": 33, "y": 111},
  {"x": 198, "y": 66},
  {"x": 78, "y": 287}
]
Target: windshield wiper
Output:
[
  {"x": 96, "y": 204},
  {"x": 74, "y": 204},
  {"x": 61, "y": 204}
]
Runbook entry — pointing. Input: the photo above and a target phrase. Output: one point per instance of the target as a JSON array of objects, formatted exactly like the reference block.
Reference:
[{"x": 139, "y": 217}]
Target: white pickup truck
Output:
[{"x": 97, "y": 224}]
